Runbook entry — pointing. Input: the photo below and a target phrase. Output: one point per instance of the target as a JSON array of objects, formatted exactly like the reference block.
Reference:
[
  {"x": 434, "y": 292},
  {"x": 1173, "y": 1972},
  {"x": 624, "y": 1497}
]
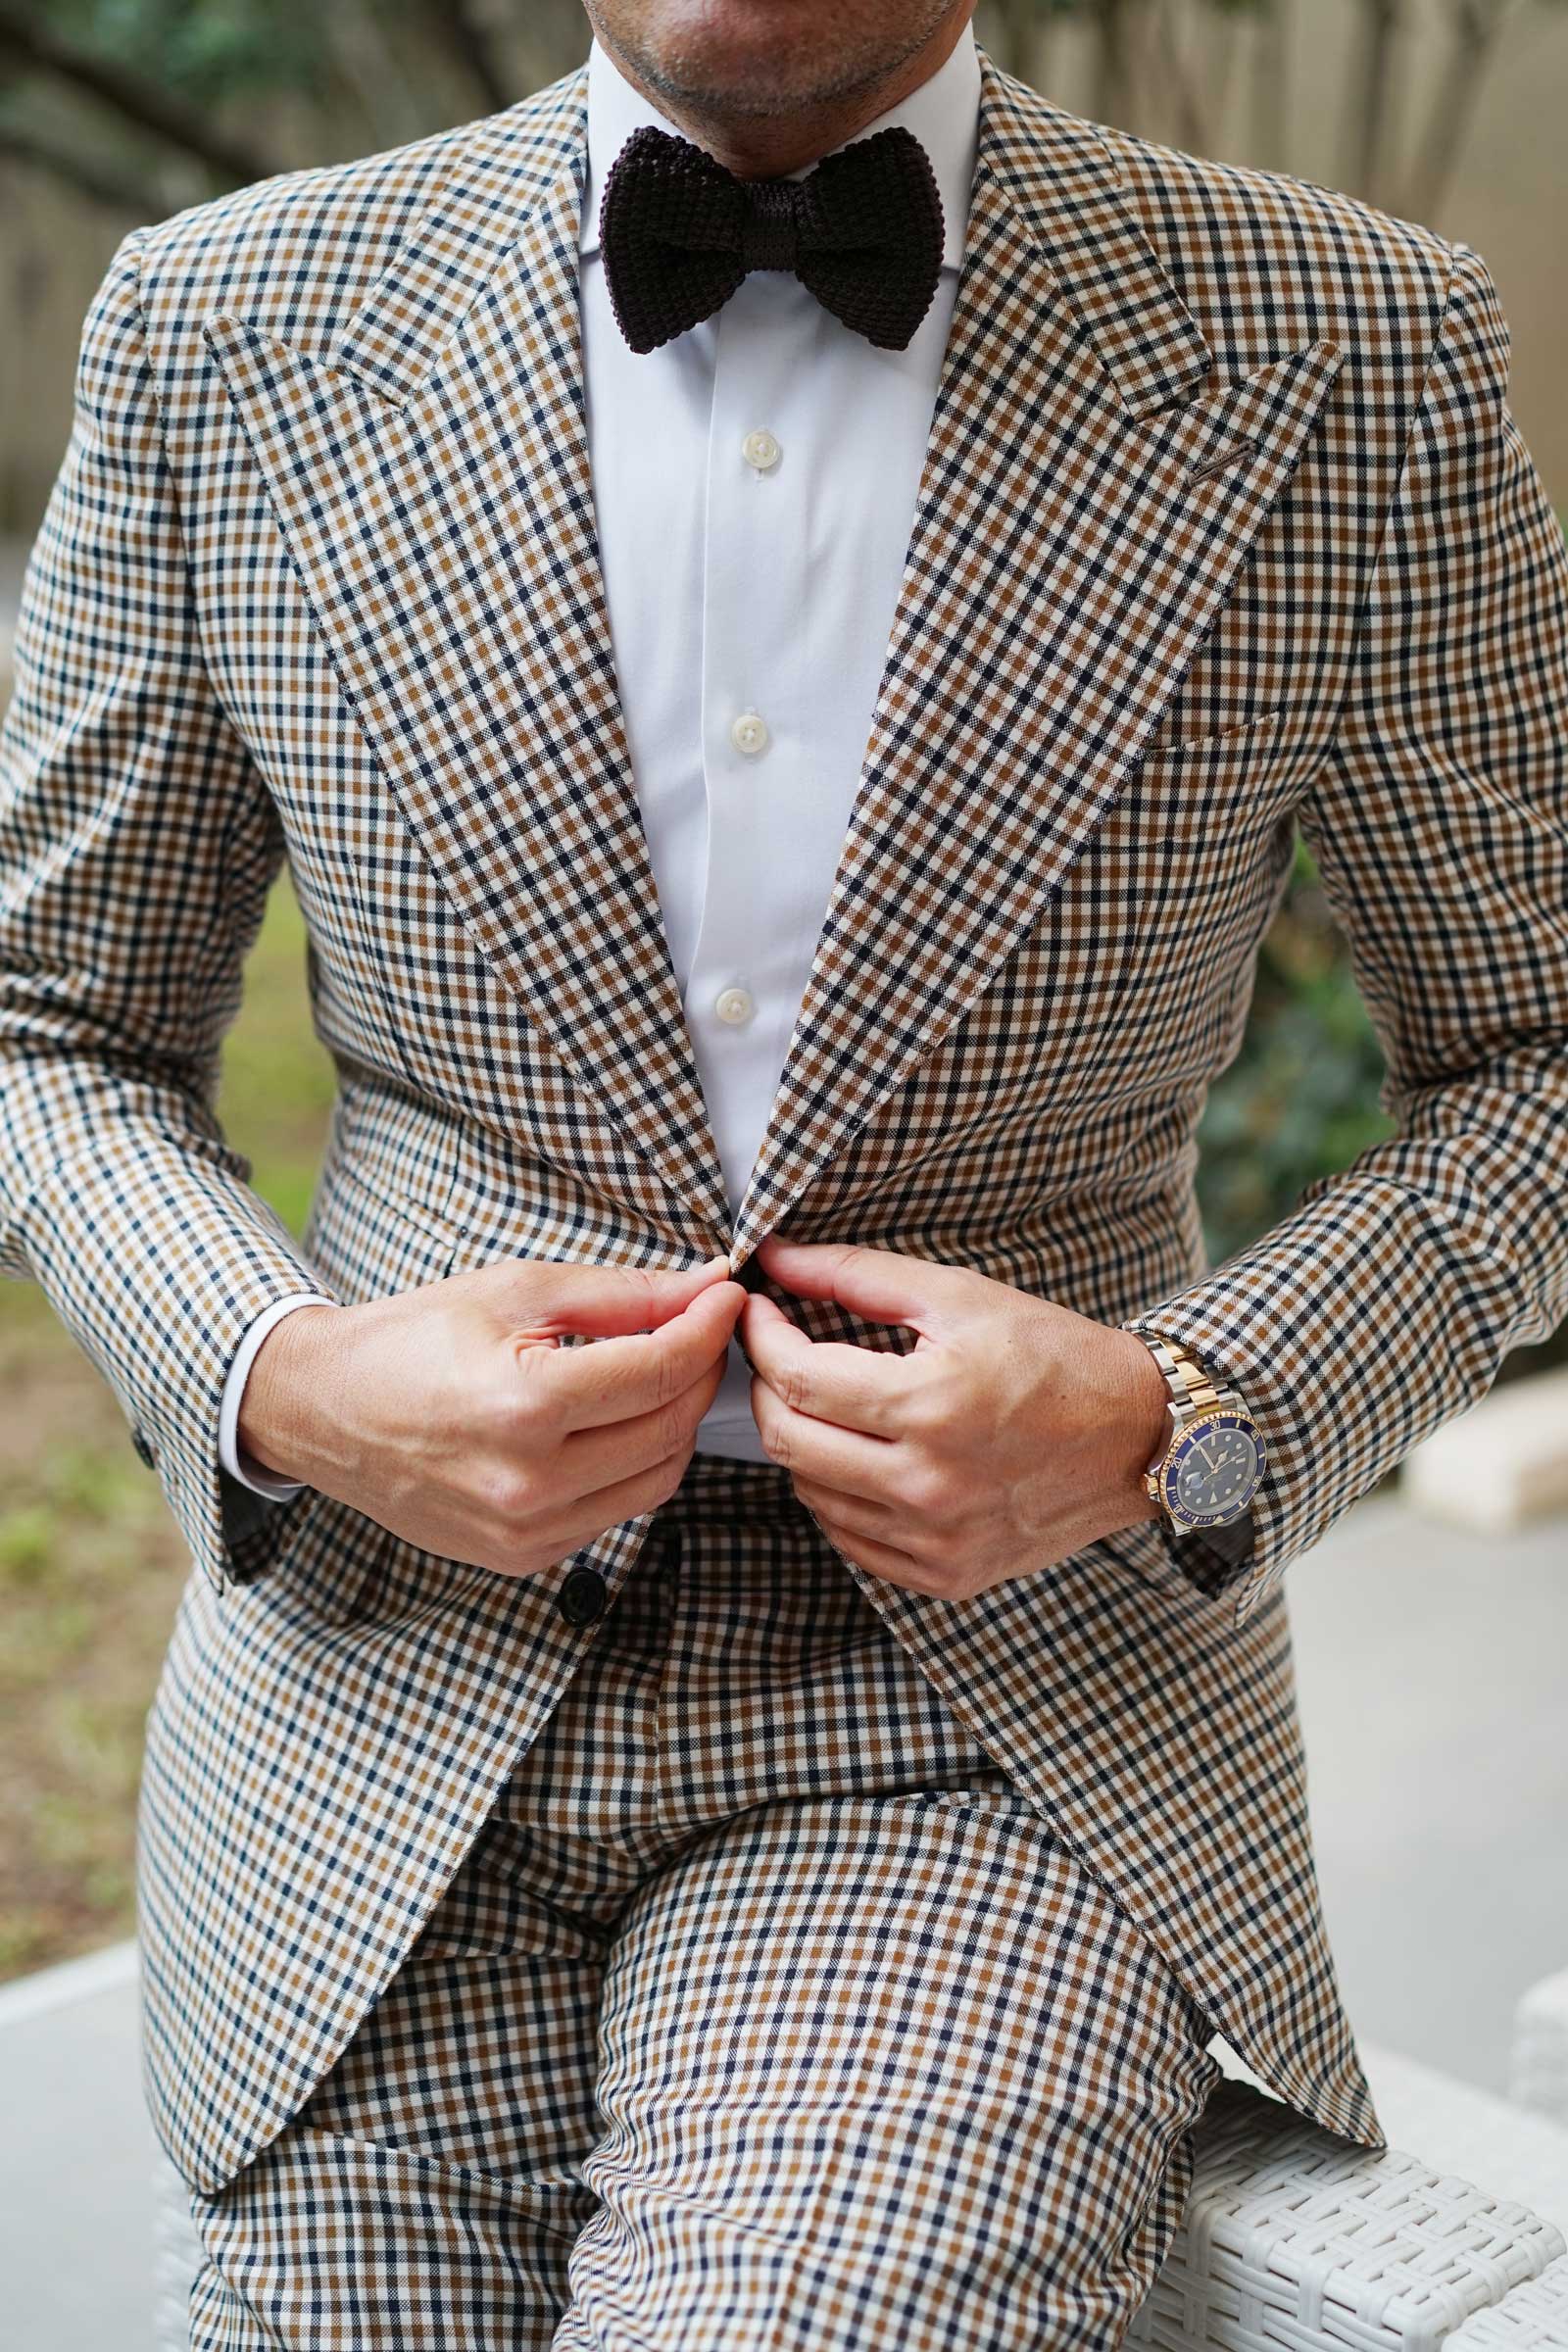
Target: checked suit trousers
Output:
[{"x": 763, "y": 2012}]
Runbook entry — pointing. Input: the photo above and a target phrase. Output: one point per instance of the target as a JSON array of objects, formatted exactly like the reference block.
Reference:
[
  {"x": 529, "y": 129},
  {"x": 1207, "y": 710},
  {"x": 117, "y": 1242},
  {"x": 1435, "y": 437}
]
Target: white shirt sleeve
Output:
[{"x": 239, "y": 1465}]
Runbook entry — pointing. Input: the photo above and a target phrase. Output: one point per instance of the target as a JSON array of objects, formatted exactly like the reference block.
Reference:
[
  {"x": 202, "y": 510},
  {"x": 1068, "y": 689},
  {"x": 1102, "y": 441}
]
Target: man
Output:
[{"x": 787, "y": 678}]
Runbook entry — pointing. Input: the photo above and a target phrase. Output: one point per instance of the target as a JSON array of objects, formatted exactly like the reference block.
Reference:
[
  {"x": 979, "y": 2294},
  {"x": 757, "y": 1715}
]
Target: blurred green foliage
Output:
[
  {"x": 206, "y": 53},
  {"x": 90, "y": 1564},
  {"x": 278, "y": 1081},
  {"x": 1301, "y": 1098}
]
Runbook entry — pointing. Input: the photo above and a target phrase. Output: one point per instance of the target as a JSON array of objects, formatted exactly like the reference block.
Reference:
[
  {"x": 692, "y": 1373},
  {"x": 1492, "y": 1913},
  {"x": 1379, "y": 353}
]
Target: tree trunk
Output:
[
  {"x": 98, "y": 181},
  {"x": 372, "y": 75},
  {"x": 1476, "y": 25},
  {"x": 1009, "y": 27},
  {"x": 455, "y": 25},
  {"x": 1270, "y": 83},
  {"x": 1368, "y": 121},
  {"x": 1110, "y": 76},
  {"x": 1187, "y": 114}
]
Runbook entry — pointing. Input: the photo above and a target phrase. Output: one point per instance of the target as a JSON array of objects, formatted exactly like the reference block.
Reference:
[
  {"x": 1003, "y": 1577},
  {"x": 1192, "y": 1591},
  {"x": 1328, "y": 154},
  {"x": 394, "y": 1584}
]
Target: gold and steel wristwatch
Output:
[{"x": 1212, "y": 1465}]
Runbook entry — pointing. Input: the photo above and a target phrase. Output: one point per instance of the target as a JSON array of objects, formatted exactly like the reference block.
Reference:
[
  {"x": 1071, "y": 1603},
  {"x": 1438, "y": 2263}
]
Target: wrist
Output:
[
  {"x": 1141, "y": 1423},
  {"x": 278, "y": 1406}
]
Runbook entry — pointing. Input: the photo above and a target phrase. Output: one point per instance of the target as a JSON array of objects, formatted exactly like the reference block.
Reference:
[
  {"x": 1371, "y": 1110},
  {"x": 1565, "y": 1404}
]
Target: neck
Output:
[{"x": 769, "y": 146}]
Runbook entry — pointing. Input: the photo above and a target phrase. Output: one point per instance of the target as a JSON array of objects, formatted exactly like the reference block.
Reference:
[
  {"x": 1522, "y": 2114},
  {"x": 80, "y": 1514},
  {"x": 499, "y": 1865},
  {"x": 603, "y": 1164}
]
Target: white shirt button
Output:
[
  {"x": 759, "y": 449},
  {"x": 749, "y": 733},
  {"x": 734, "y": 1006}
]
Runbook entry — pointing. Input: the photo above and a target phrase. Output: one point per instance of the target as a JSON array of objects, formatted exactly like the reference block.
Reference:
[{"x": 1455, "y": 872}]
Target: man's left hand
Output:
[{"x": 1013, "y": 1432}]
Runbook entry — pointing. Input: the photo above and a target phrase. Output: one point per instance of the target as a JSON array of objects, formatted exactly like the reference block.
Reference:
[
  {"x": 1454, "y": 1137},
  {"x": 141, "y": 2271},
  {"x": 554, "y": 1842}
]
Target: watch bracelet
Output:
[
  {"x": 1193, "y": 1392},
  {"x": 1199, "y": 1388}
]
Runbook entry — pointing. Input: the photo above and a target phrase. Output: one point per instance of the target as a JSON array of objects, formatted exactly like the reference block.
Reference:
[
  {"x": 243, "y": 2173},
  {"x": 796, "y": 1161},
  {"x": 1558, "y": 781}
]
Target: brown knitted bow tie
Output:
[{"x": 862, "y": 229}]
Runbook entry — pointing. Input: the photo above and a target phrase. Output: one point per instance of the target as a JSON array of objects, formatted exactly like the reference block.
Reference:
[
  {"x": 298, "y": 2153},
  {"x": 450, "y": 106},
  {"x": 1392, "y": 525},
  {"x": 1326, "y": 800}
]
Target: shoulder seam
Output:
[
  {"x": 1453, "y": 250},
  {"x": 137, "y": 240},
  {"x": 1414, "y": 233}
]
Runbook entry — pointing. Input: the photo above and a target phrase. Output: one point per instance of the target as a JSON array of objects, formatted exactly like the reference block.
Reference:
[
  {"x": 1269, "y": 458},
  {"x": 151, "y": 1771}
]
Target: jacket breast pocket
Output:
[
  {"x": 1194, "y": 838},
  {"x": 1128, "y": 988},
  {"x": 1197, "y": 771},
  {"x": 1201, "y": 836}
]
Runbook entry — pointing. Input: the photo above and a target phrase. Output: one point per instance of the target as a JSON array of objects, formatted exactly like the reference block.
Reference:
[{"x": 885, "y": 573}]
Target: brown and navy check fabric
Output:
[
  {"x": 764, "y": 2010},
  {"x": 1225, "y": 532}
]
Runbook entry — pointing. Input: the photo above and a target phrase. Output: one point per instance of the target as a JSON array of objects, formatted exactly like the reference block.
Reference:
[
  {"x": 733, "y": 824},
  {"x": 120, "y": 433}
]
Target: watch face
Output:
[{"x": 1214, "y": 1471}]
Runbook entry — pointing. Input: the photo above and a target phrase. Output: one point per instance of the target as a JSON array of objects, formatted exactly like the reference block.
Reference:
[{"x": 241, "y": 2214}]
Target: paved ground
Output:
[
  {"x": 1431, "y": 1668},
  {"x": 76, "y": 2169}
]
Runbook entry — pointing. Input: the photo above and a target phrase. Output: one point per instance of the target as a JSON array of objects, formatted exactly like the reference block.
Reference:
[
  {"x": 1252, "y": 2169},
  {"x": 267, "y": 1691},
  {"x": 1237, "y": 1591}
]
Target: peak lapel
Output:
[
  {"x": 1087, "y": 501},
  {"x": 431, "y": 480}
]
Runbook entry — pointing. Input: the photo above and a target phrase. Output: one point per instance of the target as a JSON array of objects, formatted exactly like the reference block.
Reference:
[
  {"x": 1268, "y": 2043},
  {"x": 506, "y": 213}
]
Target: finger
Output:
[
  {"x": 596, "y": 1457},
  {"x": 864, "y": 1465},
  {"x": 590, "y": 1516},
  {"x": 555, "y": 1295},
  {"x": 882, "y": 1522},
  {"x": 618, "y": 1377},
  {"x": 858, "y": 1388},
  {"x": 882, "y": 1559},
  {"x": 882, "y": 1284}
]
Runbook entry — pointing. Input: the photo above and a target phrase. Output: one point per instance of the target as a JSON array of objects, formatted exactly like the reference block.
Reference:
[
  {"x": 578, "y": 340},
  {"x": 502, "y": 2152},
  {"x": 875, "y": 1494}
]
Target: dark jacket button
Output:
[
  {"x": 142, "y": 1446},
  {"x": 582, "y": 1596}
]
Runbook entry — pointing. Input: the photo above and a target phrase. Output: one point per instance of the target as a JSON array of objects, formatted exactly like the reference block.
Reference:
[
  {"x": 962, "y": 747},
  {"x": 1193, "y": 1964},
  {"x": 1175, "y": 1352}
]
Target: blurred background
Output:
[{"x": 1437, "y": 1673}]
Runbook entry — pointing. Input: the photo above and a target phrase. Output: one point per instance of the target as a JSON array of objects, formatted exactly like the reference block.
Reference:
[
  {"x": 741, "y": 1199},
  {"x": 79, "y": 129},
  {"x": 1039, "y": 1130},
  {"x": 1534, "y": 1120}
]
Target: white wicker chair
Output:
[
  {"x": 1530, "y": 2320},
  {"x": 1296, "y": 2241}
]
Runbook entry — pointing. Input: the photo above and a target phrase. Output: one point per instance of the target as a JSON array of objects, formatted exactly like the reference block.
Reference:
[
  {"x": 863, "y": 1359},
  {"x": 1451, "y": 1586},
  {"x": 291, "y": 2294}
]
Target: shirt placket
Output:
[{"x": 742, "y": 991}]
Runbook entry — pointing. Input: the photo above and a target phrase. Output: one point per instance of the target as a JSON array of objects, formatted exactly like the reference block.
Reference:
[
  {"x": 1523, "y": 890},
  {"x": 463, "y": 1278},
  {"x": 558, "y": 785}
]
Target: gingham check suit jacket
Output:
[{"x": 1225, "y": 527}]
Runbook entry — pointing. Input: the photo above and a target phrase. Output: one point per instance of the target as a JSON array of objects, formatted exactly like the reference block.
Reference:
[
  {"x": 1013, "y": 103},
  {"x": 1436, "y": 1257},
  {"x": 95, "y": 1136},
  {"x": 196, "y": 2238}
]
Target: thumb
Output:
[
  {"x": 605, "y": 1301},
  {"x": 883, "y": 1284}
]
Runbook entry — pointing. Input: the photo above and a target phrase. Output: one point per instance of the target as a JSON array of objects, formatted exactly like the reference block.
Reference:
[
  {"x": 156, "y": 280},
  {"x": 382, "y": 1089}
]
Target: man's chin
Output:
[{"x": 734, "y": 59}]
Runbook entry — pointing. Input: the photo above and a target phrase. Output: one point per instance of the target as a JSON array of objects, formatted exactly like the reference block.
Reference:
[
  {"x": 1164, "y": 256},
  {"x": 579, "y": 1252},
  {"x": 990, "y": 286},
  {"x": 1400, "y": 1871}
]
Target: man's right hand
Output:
[{"x": 452, "y": 1415}]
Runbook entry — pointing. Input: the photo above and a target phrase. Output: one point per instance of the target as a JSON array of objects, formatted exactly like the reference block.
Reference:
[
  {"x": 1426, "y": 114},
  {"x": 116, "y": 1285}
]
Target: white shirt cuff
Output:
[{"x": 239, "y": 1465}]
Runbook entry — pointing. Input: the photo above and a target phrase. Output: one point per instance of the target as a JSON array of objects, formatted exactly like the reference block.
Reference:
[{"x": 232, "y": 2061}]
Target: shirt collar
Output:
[{"x": 943, "y": 113}]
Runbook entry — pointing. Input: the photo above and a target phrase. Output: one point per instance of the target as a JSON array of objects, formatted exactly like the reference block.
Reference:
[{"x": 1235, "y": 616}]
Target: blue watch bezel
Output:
[{"x": 1226, "y": 1417}]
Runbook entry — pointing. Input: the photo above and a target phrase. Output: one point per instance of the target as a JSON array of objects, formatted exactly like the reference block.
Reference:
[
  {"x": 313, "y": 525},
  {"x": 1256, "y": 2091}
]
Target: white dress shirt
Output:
[{"x": 754, "y": 485}]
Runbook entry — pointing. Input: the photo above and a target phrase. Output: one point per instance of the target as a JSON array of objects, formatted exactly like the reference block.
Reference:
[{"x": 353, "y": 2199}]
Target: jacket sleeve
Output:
[
  {"x": 1386, "y": 1301},
  {"x": 137, "y": 845}
]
